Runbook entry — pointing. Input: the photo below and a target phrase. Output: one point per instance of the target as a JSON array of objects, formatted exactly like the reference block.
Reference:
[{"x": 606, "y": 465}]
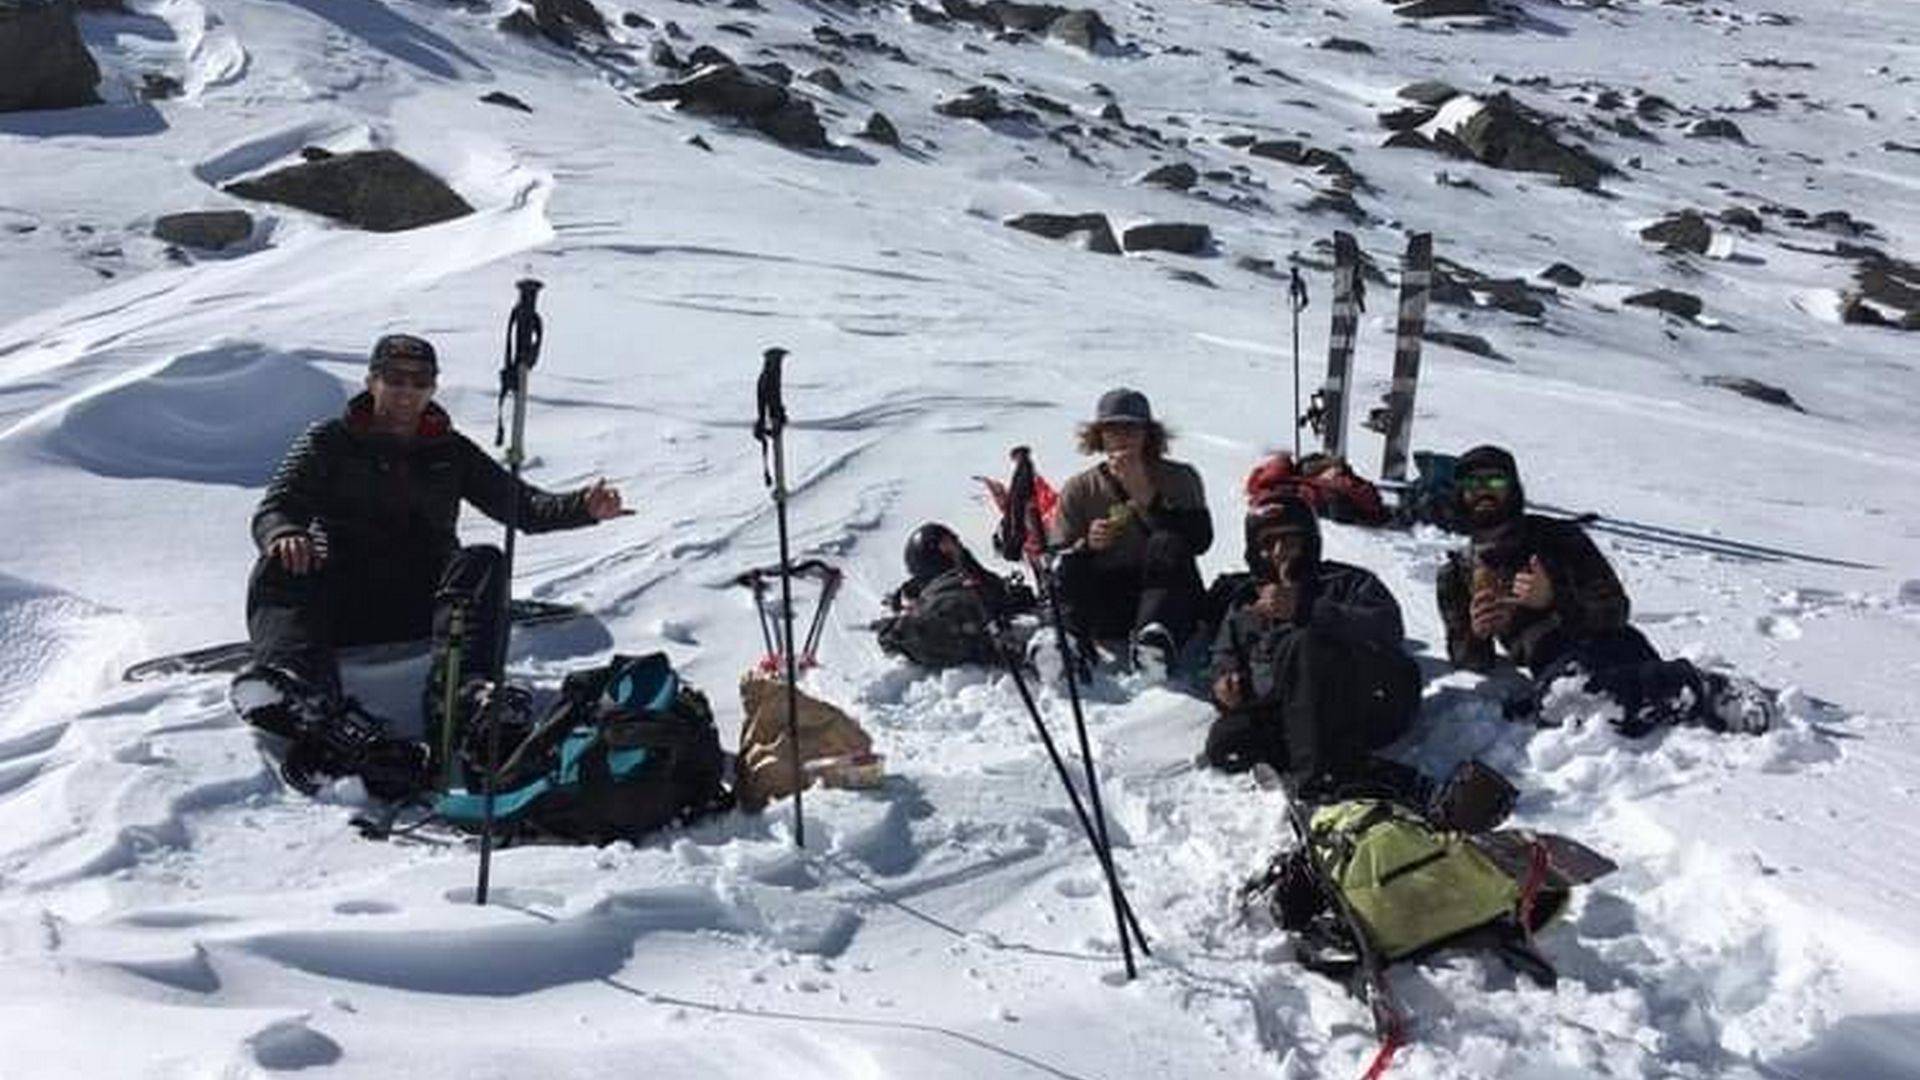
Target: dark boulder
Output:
[
  {"x": 1430, "y": 92},
  {"x": 749, "y": 97},
  {"x": 1291, "y": 151},
  {"x": 376, "y": 190},
  {"x": 1178, "y": 176},
  {"x": 1083, "y": 29},
  {"x": 826, "y": 79},
  {"x": 1467, "y": 343},
  {"x": 1562, "y": 274},
  {"x": 1407, "y": 140},
  {"x": 1715, "y": 128},
  {"x": 1347, "y": 45},
  {"x": 562, "y": 22},
  {"x": 208, "y": 230},
  {"x": 662, "y": 55},
  {"x": 1410, "y": 117},
  {"x": 505, "y": 101},
  {"x": 1672, "y": 301},
  {"x": 1098, "y": 231},
  {"x": 1507, "y": 135},
  {"x": 1178, "y": 238},
  {"x": 706, "y": 54},
  {"x": 43, "y": 62},
  {"x": 1511, "y": 295},
  {"x": 1440, "y": 9},
  {"x": 881, "y": 130},
  {"x": 1741, "y": 217},
  {"x": 1886, "y": 293},
  {"x": 1684, "y": 231},
  {"x": 1755, "y": 389},
  {"x": 982, "y": 103}
]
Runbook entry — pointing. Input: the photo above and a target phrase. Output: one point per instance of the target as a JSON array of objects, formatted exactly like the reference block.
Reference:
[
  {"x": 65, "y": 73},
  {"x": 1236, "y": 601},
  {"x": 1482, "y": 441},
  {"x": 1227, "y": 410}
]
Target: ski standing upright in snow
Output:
[
  {"x": 1416, "y": 275},
  {"x": 1328, "y": 416}
]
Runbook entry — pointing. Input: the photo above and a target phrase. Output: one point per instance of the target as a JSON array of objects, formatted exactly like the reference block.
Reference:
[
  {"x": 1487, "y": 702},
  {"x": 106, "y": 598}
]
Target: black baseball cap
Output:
[
  {"x": 405, "y": 347},
  {"x": 1123, "y": 405}
]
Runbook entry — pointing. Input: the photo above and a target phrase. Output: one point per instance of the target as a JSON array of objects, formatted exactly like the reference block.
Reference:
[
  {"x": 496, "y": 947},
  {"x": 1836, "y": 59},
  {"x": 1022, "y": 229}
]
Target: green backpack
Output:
[{"x": 1410, "y": 885}]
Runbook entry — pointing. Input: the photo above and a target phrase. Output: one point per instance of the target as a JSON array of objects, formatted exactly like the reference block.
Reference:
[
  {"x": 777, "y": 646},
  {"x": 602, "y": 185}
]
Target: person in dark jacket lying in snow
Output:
[
  {"x": 1539, "y": 589},
  {"x": 357, "y": 536},
  {"x": 1308, "y": 669}
]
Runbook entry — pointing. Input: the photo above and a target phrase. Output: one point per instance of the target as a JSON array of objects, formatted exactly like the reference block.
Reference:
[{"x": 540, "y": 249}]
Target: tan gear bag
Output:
[{"x": 834, "y": 750}]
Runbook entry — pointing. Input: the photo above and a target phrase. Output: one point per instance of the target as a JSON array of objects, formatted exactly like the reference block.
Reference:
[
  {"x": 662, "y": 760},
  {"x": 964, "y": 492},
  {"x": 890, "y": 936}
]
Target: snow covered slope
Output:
[{"x": 167, "y": 909}]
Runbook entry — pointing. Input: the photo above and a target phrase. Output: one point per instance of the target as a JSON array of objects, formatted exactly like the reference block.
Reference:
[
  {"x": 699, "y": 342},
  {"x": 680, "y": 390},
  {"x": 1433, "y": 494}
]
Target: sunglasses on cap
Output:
[
  {"x": 1486, "y": 482},
  {"x": 418, "y": 380}
]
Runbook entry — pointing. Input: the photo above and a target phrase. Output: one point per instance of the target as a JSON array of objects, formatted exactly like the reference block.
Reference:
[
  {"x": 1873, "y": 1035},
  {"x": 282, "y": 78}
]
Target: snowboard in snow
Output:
[
  {"x": 1395, "y": 417},
  {"x": 231, "y": 656},
  {"x": 1329, "y": 413}
]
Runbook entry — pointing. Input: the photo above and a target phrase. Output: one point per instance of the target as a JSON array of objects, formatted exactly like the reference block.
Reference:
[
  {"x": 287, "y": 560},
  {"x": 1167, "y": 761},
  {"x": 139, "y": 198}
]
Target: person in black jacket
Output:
[
  {"x": 1539, "y": 589},
  {"x": 357, "y": 535},
  {"x": 1309, "y": 674}
]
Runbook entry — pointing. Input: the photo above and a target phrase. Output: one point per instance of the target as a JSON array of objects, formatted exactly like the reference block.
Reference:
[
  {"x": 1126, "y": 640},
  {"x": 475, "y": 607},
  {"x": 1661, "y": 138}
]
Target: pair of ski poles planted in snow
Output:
[{"x": 769, "y": 430}]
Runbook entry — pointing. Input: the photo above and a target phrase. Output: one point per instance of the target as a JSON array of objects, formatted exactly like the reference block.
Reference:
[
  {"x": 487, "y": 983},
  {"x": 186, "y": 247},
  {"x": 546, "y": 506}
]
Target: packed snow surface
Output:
[{"x": 169, "y": 909}]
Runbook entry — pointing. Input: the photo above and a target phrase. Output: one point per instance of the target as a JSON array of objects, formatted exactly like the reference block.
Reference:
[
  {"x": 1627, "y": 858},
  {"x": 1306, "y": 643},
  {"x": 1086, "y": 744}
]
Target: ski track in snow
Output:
[{"x": 167, "y": 908}]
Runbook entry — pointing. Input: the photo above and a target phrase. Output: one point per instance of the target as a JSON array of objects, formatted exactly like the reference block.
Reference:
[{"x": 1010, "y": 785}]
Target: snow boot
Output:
[
  {"x": 327, "y": 736},
  {"x": 1153, "y": 653},
  {"x": 1739, "y": 705}
]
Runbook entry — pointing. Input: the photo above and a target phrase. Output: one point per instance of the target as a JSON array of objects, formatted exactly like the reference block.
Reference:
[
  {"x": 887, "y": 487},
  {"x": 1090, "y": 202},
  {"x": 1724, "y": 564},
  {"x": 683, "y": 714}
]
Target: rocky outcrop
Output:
[
  {"x": 1755, "y": 389},
  {"x": 1082, "y": 28},
  {"x": 376, "y": 190},
  {"x": 1179, "y": 238},
  {"x": 749, "y": 97},
  {"x": 1465, "y": 342},
  {"x": 1507, "y": 135},
  {"x": 563, "y": 22},
  {"x": 43, "y": 62},
  {"x": 983, "y": 103},
  {"x": 1562, "y": 274},
  {"x": 208, "y": 230},
  {"x": 1178, "y": 176},
  {"x": 1684, "y": 231},
  {"x": 1095, "y": 230},
  {"x": 1672, "y": 301},
  {"x": 1886, "y": 293}
]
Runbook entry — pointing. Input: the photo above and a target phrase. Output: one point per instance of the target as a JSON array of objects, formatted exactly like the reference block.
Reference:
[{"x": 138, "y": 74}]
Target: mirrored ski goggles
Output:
[{"x": 1486, "y": 482}]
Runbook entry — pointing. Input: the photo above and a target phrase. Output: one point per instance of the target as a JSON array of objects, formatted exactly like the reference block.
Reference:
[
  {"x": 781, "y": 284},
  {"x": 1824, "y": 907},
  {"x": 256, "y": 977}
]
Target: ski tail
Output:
[
  {"x": 1348, "y": 302},
  {"x": 1416, "y": 276}
]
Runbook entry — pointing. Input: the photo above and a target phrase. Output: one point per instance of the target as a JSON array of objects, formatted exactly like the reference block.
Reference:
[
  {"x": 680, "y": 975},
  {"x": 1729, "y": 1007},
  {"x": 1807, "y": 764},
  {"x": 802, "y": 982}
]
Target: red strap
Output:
[
  {"x": 1383, "y": 1059},
  {"x": 1530, "y": 889}
]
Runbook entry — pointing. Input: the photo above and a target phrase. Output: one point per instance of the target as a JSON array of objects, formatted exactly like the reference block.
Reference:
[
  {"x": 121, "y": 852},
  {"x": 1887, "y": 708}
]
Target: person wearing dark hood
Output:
[
  {"x": 1538, "y": 589},
  {"x": 1309, "y": 673},
  {"x": 357, "y": 538},
  {"x": 1133, "y": 526},
  {"x": 950, "y": 610}
]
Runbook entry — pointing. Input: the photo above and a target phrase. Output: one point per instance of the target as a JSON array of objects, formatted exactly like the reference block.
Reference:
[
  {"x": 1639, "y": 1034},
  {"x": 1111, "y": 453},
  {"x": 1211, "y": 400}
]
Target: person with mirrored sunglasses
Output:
[{"x": 1538, "y": 589}]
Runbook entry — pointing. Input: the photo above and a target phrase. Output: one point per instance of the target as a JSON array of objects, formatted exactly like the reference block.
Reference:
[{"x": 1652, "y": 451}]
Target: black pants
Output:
[
  {"x": 1108, "y": 603},
  {"x": 1624, "y": 666},
  {"x": 296, "y": 622},
  {"x": 1335, "y": 702}
]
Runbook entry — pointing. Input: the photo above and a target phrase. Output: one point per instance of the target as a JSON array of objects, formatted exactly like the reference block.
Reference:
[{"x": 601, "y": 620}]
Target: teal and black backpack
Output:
[{"x": 628, "y": 748}]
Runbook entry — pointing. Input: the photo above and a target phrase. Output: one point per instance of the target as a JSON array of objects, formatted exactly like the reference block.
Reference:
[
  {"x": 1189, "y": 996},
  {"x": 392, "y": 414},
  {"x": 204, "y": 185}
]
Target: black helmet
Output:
[{"x": 925, "y": 559}]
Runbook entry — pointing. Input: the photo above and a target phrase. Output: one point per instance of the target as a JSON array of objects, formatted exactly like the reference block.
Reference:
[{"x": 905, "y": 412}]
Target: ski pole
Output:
[
  {"x": 1086, "y": 758},
  {"x": 769, "y": 431},
  {"x": 1297, "y": 302},
  {"x": 525, "y": 332},
  {"x": 1100, "y": 850}
]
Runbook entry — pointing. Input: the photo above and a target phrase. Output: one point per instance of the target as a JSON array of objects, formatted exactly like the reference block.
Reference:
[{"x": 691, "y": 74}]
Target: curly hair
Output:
[{"x": 1157, "y": 439}]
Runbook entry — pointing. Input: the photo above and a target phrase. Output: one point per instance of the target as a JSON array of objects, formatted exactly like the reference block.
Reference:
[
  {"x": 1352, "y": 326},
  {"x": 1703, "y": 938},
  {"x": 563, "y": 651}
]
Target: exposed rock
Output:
[
  {"x": 1884, "y": 282},
  {"x": 377, "y": 190},
  {"x": 1467, "y": 343},
  {"x": 562, "y": 22},
  {"x": 1291, "y": 151},
  {"x": 1685, "y": 231},
  {"x": 1190, "y": 277},
  {"x": 315, "y": 153},
  {"x": 43, "y": 62},
  {"x": 1672, "y": 301},
  {"x": 1506, "y": 135},
  {"x": 1755, "y": 389},
  {"x": 1407, "y": 140},
  {"x": 1839, "y": 221},
  {"x": 1237, "y": 142},
  {"x": 826, "y": 79},
  {"x": 662, "y": 55},
  {"x": 1177, "y": 237},
  {"x": 981, "y": 103},
  {"x": 926, "y": 16},
  {"x": 1346, "y": 45},
  {"x": 881, "y": 130},
  {"x": 1742, "y": 218},
  {"x": 1439, "y": 9},
  {"x": 1429, "y": 92},
  {"x": 1716, "y": 127},
  {"x": 750, "y": 97},
  {"x": 738, "y": 29},
  {"x": 506, "y": 101},
  {"x": 1335, "y": 201},
  {"x": 1264, "y": 267},
  {"x": 699, "y": 143},
  {"x": 1178, "y": 176},
  {"x": 1083, "y": 29},
  {"x": 1562, "y": 274},
  {"x": 707, "y": 54},
  {"x": 633, "y": 20},
  {"x": 1410, "y": 117},
  {"x": 159, "y": 86},
  {"x": 1099, "y": 233},
  {"x": 1111, "y": 113},
  {"x": 1511, "y": 295},
  {"x": 209, "y": 230},
  {"x": 774, "y": 70}
]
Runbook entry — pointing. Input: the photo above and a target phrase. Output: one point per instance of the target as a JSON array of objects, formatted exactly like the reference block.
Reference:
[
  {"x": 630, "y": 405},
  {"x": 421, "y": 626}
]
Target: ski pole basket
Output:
[{"x": 764, "y": 581}]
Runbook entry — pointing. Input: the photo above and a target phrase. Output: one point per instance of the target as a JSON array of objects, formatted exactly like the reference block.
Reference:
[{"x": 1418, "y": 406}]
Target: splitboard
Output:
[{"x": 234, "y": 655}]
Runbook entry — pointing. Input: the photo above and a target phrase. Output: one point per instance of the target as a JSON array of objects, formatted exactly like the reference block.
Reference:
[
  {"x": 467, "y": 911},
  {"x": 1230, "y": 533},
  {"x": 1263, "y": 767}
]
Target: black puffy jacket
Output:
[
  {"x": 1343, "y": 600},
  {"x": 1588, "y": 599},
  {"x": 372, "y": 500}
]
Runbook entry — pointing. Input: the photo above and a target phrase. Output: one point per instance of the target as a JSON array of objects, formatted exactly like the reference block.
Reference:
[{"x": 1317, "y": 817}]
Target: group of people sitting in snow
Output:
[{"x": 1307, "y": 664}]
